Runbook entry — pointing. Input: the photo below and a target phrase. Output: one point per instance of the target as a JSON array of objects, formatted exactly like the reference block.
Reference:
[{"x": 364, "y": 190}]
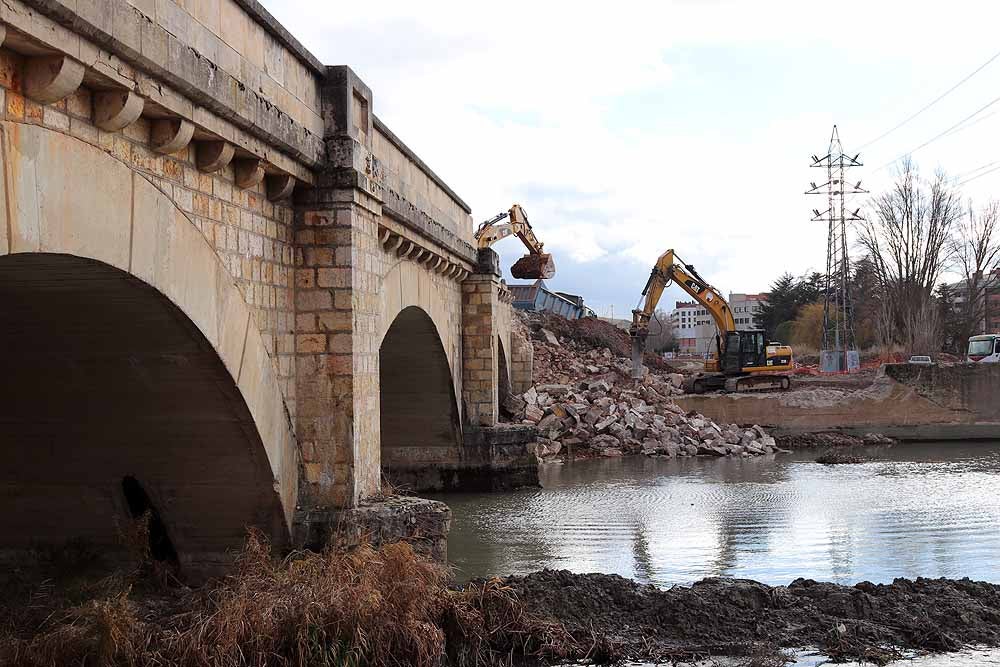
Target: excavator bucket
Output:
[{"x": 533, "y": 266}]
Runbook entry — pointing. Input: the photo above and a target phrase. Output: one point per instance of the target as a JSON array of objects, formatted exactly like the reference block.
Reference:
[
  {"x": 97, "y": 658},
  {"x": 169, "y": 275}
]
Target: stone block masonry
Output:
[
  {"x": 251, "y": 234},
  {"x": 480, "y": 302},
  {"x": 321, "y": 310}
]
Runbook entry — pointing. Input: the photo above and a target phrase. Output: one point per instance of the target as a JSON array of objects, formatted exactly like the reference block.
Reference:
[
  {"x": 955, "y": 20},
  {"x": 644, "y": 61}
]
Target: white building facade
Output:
[
  {"x": 745, "y": 308},
  {"x": 695, "y": 330}
]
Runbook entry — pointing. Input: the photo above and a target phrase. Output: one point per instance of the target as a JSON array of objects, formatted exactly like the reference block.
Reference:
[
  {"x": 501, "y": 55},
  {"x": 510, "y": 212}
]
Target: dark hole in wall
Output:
[{"x": 160, "y": 546}]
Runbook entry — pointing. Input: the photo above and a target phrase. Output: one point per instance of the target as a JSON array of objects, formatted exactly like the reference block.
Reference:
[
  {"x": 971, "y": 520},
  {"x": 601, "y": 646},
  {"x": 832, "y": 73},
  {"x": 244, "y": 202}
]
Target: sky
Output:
[{"x": 627, "y": 129}]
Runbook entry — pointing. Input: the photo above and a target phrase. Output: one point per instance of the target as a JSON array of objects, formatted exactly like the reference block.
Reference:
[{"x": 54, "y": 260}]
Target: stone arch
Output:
[
  {"x": 405, "y": 284},
  {"x": 419, "y": 419},
  {"x": 74, "y": 209}
]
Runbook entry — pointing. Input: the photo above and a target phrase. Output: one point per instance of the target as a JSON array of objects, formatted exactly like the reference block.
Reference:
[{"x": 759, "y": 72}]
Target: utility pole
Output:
[{"x": 839, "y": 346}]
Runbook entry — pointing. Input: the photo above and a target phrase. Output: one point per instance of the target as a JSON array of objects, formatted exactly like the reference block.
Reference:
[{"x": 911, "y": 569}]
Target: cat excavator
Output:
[
  {"x": 536, "y": 264},
  {"x": 743, "y": 360}
]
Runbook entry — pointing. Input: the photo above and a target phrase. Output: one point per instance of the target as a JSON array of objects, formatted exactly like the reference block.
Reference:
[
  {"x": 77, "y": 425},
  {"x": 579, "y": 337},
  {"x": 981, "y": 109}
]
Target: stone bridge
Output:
[{"x": 229, "y": 295}]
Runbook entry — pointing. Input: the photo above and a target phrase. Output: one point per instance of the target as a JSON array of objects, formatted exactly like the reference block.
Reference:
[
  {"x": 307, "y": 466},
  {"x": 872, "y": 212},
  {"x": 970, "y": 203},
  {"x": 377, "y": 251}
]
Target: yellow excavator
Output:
[
  {"x": 743, "y": 360},
  {"x": 536, "y": 264}
]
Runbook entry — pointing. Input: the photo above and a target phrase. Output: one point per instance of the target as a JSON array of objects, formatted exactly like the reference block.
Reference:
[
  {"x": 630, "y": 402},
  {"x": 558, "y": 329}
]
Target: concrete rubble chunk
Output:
[
  {"x": 533, "y": 414},
  {"x": 550, "y": 337},
  {"x": 585, "y": 400}
]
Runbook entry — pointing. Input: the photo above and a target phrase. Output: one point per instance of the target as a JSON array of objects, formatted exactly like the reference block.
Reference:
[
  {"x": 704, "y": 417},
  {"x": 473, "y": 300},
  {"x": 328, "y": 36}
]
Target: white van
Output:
[{"x": 984, "y": 349}]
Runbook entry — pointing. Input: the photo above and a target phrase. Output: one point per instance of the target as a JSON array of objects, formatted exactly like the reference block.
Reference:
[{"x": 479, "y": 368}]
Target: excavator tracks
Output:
[{"x": 701, "y": 384}]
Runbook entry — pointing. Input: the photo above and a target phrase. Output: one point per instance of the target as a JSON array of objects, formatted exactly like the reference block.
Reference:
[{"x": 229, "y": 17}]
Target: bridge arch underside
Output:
[
  {"x": 113, "y": 400},
  {"x": 419, "y": 419}
]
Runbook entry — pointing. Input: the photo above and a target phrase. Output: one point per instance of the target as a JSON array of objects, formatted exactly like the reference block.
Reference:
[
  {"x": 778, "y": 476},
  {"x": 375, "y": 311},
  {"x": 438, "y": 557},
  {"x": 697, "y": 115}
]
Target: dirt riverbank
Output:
[
  {"x": 389, "y": 607},
  {"x": 870, "y": 622}
]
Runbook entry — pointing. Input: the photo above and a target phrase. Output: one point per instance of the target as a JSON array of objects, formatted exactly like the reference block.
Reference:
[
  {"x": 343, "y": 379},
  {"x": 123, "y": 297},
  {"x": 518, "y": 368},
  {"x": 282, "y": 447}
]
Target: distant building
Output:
[
  {"x": 539, "y": 298},
  {"x": 990, "y": 322},
  {"x": 695, "y": 330},
  {"x": 745, "y": 308}
]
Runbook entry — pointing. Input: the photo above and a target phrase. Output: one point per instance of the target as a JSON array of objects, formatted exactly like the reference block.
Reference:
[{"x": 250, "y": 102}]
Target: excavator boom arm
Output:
[
  {"x": 490, "y": 231},
  {"x": 536, "y": 264},
  {"x": 669, "y": 269}
]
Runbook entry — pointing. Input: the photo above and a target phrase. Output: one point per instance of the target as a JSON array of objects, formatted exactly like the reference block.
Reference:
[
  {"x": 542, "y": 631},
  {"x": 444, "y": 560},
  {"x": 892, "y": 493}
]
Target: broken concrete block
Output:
[{"x": 534, "y": 414}]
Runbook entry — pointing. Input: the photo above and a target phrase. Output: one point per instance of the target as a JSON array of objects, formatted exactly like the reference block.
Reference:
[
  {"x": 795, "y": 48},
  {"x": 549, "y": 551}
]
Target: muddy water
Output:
[{"x": 915, "y": 510}]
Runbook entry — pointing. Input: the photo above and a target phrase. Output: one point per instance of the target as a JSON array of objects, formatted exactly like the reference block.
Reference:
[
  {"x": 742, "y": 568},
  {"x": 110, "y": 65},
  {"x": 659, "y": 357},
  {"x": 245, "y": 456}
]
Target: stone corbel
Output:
[
  {"x": 211, "y": 156},
  {"x": 116, "y": 109},
  {"x": 383, "y": 236},
  {"x": 394, "y": 243},
  {"x": 48, "y": 79},
  {"x": 280, "y": 186},
  {"x": 404, "y": 249},
  {"x": 249, "y": 173},
  {"x": 170, "y": 135}
]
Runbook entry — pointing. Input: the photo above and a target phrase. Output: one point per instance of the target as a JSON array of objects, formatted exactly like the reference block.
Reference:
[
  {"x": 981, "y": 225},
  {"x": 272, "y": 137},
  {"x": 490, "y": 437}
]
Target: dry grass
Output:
[
  {"x": 375, "y": 607},
  {"x": 764, "y": 654}
]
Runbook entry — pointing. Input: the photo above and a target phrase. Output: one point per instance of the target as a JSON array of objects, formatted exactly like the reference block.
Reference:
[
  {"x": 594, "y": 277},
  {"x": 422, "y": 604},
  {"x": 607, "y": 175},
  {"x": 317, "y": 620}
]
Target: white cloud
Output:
[{"x": 628, "y": 128}]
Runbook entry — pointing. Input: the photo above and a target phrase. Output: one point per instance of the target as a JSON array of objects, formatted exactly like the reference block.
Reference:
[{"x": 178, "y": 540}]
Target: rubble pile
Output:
[{"x": 585, "y": 403}]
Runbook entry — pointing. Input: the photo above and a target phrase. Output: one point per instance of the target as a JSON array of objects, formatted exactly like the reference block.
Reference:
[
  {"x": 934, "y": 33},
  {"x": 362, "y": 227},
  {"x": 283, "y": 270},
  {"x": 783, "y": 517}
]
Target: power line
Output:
[
  {"x": 973, "y": 123},
  {"x": 938, "y": 136},
  {"x": 932, "y": 102},
  {"x": 985, "y": 173},
  {"x": 970, "y": 172}
]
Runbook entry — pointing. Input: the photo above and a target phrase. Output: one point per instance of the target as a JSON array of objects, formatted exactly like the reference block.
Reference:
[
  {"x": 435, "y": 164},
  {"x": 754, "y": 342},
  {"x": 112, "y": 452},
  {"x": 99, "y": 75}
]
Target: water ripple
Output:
[{"x": 918, "y": 510}]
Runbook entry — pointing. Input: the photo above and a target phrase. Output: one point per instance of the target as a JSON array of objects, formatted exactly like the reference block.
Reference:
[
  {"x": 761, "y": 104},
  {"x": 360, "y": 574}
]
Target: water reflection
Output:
[{"x": 918, "y": 510}]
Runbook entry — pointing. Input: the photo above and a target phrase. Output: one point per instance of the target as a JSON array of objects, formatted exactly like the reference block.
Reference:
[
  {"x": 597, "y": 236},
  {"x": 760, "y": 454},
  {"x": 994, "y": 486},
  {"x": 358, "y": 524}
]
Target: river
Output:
[{"x": 929, "y": 510}]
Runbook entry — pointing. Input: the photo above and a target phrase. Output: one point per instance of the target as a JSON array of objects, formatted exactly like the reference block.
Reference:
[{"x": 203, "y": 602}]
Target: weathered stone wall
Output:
[
  {"x": 320, "y": 221},
  {"x": 413, "y": 192},
  {"x": 69, "y": 199},
  {"x": 251, "y": 234},
  {"x": 522, "y": 358},
  {"x": 240, "y": 38}
]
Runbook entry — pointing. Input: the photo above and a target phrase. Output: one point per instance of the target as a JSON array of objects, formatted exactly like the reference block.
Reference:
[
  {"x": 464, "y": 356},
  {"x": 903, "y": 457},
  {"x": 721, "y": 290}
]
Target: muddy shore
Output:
[{"x": 626, "y": 620}]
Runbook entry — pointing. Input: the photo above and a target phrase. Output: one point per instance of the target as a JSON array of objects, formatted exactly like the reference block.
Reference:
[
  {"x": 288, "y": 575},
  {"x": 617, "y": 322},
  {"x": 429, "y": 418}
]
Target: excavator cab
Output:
[{"x": 743, "y": 350}]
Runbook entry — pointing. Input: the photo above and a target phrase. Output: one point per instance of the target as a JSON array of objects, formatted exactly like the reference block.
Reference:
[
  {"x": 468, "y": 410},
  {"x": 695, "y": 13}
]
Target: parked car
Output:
[{"x": 920, "y": 359}]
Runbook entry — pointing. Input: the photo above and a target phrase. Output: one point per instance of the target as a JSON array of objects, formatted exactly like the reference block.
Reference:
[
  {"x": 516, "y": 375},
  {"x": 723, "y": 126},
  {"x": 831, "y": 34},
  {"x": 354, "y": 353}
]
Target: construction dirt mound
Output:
[
  {"x": 591, "y": 333},
  {"x": 866, "y": 622}
]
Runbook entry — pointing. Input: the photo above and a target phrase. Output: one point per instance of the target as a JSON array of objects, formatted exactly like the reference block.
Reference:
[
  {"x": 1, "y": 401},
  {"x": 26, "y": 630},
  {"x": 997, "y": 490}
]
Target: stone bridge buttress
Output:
[{"x": 229, "y": 294}]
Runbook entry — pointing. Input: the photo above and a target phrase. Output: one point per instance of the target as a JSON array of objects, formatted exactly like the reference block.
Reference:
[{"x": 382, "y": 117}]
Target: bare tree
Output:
[
  {"x": 908, "y": 237},
  {"x": 661, "y": 336},
  {"x": 975, "y": 255}
]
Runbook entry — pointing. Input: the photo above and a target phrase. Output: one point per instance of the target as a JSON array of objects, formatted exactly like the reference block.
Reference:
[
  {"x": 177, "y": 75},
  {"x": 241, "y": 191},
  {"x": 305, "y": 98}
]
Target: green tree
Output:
[
  {"x": 807, "y": 330},
  {"x": 780, "y": 306}
]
